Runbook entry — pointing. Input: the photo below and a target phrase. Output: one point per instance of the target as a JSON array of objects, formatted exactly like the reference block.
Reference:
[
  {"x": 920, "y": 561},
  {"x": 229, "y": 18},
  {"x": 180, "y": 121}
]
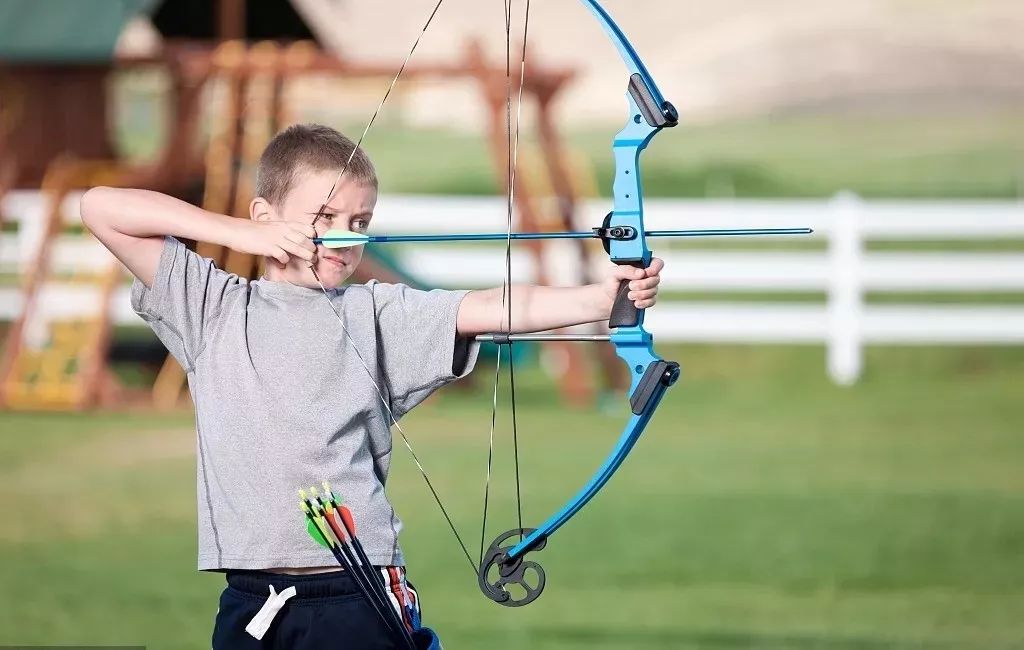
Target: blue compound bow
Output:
[
  {"x": 505, "y": 563},
  {"x": 504, "y": 573}
]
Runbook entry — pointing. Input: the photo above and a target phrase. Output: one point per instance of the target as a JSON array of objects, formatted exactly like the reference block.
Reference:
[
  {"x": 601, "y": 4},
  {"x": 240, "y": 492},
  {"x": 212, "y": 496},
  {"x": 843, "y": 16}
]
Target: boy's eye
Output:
[{"x": 323, "y": 217}]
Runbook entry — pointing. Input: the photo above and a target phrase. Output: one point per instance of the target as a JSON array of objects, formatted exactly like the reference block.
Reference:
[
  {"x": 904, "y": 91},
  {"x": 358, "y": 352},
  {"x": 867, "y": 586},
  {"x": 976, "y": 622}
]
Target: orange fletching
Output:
[{"x": 346, "y": 516}]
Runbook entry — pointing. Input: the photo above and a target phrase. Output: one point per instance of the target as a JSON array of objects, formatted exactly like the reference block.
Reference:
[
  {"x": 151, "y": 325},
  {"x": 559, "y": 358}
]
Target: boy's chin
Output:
[{"x": 330, "y": 275}]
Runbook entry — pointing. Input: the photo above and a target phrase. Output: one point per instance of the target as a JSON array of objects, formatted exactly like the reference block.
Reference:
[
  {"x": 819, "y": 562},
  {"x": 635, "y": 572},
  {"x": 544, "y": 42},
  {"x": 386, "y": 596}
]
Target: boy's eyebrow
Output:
[{"x": 330, "y": 211}]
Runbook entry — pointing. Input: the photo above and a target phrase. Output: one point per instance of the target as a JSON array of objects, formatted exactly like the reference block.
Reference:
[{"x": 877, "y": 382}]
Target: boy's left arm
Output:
[{"x": 538, "y": 308}]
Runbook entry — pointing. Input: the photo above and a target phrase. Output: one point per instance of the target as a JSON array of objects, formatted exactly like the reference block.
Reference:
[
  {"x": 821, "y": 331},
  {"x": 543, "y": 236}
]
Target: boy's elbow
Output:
[{"x": 90, "y": 207}]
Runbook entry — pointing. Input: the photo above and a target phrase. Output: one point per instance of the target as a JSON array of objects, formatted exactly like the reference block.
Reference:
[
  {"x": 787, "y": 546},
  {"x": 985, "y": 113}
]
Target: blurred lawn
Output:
[
  {"x": 967, "y": 155},
  {"x": 764, "y": 508},
  {"x": 922, "y": 153}
]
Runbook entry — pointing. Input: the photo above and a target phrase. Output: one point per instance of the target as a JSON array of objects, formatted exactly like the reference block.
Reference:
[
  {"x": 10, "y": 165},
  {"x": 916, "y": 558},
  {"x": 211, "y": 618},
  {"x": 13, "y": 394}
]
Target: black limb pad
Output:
[
  {"x": 658, "y": 376},
  {"x": 657, "y": 115},
  {"x": 497, "y": 572}
]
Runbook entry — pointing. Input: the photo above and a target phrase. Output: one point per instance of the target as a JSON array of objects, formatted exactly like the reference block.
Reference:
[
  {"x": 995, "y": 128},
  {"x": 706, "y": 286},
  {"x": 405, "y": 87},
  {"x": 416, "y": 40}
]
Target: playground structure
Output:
[{"x": 45, "y": 367}]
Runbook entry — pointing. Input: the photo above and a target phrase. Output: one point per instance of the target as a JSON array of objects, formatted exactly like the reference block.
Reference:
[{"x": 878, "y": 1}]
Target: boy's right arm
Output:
[{"x": 132, "y": 225}]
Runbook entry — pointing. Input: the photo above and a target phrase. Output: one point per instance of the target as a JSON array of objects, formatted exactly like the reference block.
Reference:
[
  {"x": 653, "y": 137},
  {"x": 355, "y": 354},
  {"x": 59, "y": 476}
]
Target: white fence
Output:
[{"x": 843, "y": 270}]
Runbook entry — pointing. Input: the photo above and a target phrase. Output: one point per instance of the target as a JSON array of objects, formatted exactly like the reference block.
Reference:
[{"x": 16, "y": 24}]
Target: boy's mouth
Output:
[{"x": 333, "y": 259}]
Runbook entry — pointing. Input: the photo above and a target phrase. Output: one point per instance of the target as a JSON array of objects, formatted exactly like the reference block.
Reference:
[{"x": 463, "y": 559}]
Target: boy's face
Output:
[{"x": 351, "y": 208}]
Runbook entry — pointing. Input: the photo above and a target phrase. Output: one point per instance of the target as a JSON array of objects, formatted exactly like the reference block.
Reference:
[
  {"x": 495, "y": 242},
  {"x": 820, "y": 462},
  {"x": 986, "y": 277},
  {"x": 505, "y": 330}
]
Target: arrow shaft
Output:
[{"x": 587, "y": 234}]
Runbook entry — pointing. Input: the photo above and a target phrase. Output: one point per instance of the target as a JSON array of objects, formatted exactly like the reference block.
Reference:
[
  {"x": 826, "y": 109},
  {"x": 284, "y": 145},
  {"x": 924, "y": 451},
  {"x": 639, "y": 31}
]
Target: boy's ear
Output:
[{"x": 261, "y": 210}]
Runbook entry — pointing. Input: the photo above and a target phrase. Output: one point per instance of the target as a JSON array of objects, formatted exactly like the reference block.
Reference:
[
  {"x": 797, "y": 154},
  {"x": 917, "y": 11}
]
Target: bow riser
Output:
[
  {"x": 644, "y": 121},
  {"x": 629, "y": 198}
]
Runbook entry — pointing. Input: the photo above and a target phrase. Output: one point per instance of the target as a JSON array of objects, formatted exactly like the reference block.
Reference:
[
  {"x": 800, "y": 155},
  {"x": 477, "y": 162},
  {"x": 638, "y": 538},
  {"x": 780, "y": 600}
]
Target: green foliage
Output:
[{"x": 764, "y": 508}]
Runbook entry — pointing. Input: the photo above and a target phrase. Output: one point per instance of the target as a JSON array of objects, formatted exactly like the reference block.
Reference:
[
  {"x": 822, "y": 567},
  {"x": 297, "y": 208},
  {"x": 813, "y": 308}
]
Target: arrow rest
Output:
[
  {"x": 498, "y": 572},
  {"x": 607, "y": 232}
]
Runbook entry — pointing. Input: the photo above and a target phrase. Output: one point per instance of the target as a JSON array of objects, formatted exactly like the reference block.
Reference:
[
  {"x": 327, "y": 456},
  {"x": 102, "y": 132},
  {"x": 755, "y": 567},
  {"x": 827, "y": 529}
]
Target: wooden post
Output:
[
  {"x": 231, "y": 20},
  {"x": 616, "y": 375},
  {"x": 575, "y": 385}
]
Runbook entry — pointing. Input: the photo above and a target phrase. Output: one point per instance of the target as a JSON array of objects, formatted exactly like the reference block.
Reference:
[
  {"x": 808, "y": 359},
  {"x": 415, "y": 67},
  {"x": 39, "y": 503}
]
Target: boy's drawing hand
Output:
[
  {"x": 281, "y": 240},
  {"x": 643, "y": 283}
]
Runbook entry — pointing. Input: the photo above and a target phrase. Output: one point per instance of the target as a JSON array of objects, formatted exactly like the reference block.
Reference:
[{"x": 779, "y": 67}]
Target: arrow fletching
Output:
[
  {"x": 346, "y": 517},
  {"x": 342, "y": 239}
]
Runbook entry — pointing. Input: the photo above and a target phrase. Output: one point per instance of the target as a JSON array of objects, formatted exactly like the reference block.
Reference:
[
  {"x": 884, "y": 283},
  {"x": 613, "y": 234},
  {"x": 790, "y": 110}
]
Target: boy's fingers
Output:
[
  {"x": 301, "y": 240},
  {"x": 643, "y": 299},
  {"x": 626, "y": 272},
  {"x": 299, "y": 250},
  {"x": 655, "y": 267},
  {"x": 646, "y": 283},
  {"x": 642, "y": 295}
]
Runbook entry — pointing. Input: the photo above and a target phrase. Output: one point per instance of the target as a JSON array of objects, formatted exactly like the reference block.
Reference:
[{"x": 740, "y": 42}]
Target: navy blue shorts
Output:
[{"x": 327, "y": 612}]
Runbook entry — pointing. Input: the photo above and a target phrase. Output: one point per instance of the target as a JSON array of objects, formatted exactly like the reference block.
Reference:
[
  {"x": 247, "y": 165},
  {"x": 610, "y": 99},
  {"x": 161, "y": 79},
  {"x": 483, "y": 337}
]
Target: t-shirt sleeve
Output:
[
  {"x": 185, "y": 300},
  {"x": 419, "y": 348}
]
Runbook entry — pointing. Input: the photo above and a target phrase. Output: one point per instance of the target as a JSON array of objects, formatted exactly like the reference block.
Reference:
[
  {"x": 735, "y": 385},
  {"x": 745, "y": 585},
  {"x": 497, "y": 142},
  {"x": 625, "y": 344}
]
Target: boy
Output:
[{"x": 281, "y": 388}]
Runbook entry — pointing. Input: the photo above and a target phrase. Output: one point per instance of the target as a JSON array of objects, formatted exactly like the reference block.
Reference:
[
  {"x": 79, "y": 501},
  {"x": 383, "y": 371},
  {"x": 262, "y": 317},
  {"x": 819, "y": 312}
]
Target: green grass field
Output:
[{"x": 764, "y": 508}]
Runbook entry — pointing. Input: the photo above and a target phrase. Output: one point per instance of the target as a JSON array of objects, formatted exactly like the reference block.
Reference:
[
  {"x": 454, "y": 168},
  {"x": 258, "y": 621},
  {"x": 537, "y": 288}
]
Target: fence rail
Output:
[{"x": 842, "y": 270}]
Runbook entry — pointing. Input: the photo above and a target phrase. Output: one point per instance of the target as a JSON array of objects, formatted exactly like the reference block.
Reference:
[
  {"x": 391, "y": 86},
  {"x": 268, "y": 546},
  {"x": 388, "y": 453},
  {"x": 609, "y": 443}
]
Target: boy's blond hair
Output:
[{"x": 308, "y": 147}]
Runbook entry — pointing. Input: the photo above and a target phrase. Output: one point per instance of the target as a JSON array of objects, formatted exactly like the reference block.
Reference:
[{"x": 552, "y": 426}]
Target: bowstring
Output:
[
  {"x": 512, "y": 153},
  {"x": 508, "y": 264},
  {"x": 341, "y": 319},
  {"x": 376, "y": 112}
]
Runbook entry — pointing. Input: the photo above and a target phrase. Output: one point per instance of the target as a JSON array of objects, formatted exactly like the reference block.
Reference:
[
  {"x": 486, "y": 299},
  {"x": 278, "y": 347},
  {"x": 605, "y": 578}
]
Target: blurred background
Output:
[{"x": 841, "y": 465}]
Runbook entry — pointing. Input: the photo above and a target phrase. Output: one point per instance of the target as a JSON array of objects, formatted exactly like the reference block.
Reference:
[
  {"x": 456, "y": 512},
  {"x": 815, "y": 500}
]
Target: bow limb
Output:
[
  {"x": 506, "y": 576},
  {"x": 622, "y": 44},
  {"x": 649, "y": 387}
]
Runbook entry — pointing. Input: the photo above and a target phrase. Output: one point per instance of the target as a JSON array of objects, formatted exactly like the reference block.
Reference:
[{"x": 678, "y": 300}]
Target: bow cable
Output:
[{"x": 512, "y": 152}]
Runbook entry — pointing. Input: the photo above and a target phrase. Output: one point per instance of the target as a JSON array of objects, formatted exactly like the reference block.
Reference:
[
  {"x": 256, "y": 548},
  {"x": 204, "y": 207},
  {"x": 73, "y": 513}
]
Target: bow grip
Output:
[{"x": 624, "y": 312}]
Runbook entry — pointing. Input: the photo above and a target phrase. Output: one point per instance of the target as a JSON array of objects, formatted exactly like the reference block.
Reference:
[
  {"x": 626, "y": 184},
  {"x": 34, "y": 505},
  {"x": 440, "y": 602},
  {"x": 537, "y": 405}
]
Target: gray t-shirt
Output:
[{"x": 282, "y": 401}]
